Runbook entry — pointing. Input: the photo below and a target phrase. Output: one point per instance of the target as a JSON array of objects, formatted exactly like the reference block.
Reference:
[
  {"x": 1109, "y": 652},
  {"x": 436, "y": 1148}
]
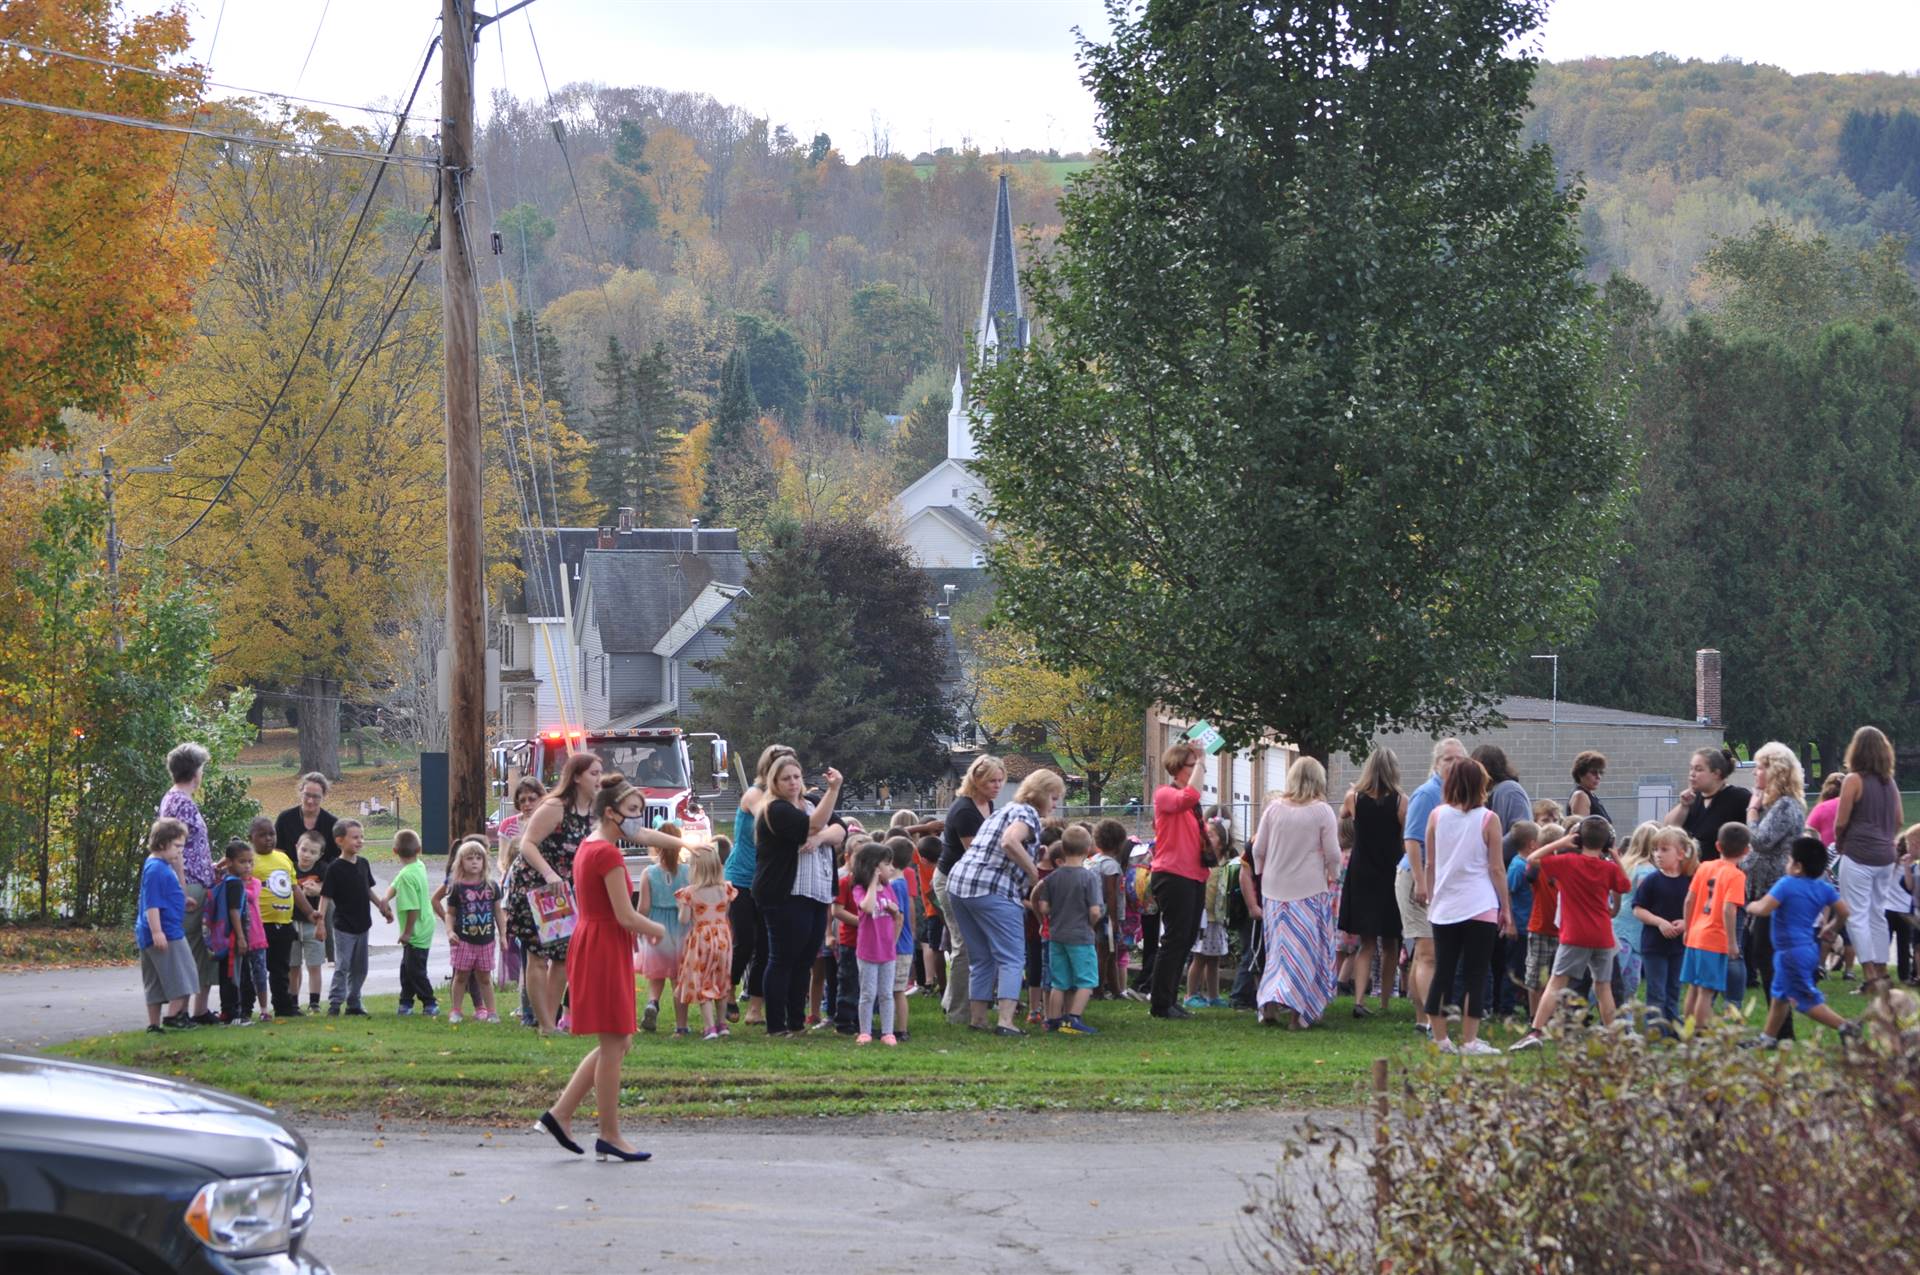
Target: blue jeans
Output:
[
  {"x": 1660, "y": 975},
  {"x": 994, "y": 929}
]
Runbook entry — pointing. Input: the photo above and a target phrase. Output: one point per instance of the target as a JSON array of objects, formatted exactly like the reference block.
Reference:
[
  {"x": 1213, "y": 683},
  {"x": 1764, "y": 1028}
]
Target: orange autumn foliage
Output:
[{"x": 96, "y": 274}]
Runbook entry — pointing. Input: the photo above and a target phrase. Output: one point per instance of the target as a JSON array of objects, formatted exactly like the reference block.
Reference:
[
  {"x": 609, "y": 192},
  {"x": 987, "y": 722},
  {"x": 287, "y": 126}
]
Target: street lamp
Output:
[{"x": 1553, "y": 713}]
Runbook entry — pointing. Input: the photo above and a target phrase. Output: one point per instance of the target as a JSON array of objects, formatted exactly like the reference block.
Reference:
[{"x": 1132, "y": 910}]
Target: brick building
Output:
[{"x": 1647, "y": 755}]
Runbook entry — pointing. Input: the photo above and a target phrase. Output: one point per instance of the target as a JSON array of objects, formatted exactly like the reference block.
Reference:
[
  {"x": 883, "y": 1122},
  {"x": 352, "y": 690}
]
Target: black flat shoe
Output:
[
  {"x": 552, "y": 1126},
  {"x": 1008, "y": 1031},
  {"x": 604, "y": 1150}
]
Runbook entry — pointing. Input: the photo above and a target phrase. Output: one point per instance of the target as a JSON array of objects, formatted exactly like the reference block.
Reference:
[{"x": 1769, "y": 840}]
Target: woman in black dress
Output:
[{"x": 1368, "y": 908}]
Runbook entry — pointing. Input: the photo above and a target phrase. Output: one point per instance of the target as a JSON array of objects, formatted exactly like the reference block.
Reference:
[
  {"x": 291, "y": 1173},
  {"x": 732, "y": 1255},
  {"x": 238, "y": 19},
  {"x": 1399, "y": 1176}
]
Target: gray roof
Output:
[
  {"x": 550, "y": 554},
  {"x": 961, "y": 522},
  {"x": 639, "y": 593},
  {"x": 1525, "y": 708},
  {"x": 1000, "y": 299},
  {"x": 713, "y": 600}
]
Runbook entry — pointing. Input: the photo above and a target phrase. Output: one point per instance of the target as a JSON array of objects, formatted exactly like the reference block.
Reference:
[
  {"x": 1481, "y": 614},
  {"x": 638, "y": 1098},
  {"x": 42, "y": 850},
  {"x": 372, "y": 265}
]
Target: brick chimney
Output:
[
  {"x": 605, "y": 540},
  {"x": 1706, "y": 687},
  {"x": 626, "y": 519}
]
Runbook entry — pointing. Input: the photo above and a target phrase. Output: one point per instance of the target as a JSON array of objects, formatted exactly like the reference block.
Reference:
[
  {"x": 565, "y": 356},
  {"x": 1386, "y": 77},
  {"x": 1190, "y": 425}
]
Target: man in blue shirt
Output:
[{"x": 1412, "y": 896}]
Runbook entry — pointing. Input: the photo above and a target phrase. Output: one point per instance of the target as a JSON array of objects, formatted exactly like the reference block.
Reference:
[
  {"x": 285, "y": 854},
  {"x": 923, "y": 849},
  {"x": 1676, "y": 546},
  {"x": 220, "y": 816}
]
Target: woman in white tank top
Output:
[{"x": 1466, "y": 885}]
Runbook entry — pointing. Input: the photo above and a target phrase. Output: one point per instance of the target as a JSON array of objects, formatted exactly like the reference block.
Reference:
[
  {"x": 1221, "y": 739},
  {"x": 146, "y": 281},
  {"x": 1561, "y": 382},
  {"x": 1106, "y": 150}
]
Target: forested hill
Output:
[{"x": 1676, "y": 154}]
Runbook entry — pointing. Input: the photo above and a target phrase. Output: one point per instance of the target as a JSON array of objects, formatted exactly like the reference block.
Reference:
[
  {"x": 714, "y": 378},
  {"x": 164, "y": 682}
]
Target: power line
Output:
[
  {"x": 383, "y": 158},
  {"x": 325, "y": 8},
  {"x": 165, "y": 74},
  {"x": 319, "y": 311}
]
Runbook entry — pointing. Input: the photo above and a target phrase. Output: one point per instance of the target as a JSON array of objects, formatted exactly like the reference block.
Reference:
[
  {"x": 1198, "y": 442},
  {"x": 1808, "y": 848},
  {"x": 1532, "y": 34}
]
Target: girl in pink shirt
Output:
[{"x": 875, "y": 938}]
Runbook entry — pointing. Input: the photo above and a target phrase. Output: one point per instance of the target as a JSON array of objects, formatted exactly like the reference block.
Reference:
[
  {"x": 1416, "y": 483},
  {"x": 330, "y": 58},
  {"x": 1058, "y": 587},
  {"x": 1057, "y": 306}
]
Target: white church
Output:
[{"x": 939, "y": 512}]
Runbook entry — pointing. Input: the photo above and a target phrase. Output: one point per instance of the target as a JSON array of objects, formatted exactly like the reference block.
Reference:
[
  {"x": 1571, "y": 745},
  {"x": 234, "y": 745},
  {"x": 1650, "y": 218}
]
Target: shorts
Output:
[
  {"x": 467, "y": 956},
  {"x": 169, "y": 975},
  {"x": 308, "y": 950},
  {"x": 902, "y": 971},
  {"x": 1701, "y": 968},
  {"x": 1074, "y": 966},
  {"x": 1413, "y": 916},
  {"x": 1793, "y": 970},
  {"x": 933, "y": 931},
  {"x": 1584, "y": 962},
  {"x": 1541, "y": 949}
]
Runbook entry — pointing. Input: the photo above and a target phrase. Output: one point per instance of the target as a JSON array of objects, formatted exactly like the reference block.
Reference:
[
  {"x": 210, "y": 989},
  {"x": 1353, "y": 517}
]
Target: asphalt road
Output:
[{"x": 922, "y": 1194}]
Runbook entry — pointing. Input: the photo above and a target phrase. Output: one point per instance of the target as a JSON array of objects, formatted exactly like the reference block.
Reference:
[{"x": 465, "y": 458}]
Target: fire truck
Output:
[{"x": 658, "y": 760}]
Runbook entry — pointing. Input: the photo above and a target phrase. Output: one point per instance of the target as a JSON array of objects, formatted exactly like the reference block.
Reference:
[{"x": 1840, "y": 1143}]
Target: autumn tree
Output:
[
  {"x": 1095, "y": 731},
  {"x": 96, "y": 267}
]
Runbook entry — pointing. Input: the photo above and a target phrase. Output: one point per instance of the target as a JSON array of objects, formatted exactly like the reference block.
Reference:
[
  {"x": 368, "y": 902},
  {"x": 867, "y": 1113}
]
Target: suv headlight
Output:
[{"x": 245, "y": 1216}]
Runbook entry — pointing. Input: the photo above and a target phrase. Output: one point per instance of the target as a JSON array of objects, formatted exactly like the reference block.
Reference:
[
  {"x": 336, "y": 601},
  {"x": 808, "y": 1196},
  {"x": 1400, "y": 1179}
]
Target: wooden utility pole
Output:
[{"x": 466, "y": 598}]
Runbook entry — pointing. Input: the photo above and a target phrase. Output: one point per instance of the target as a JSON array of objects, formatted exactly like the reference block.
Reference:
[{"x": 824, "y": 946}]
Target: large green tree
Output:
[
  {"x": 633, "y": 435},
  {"x": 776, "y": 366},
  {"x": 809, "y": 663},
  {"x": 1316, "y": 436},
  {"x": 889, "y": 336}
]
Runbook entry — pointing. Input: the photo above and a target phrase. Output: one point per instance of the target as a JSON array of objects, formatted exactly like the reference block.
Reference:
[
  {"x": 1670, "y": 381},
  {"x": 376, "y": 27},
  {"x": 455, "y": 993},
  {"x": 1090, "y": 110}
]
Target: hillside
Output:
[{"x": 1676, "y": 154}]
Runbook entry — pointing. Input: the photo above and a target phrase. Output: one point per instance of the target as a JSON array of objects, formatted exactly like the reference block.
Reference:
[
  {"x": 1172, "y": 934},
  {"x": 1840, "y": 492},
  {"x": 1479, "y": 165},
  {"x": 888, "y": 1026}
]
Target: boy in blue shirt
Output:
[
  {"x": 168, "y": 974},
  {"x": 1521, "y": 840},
  {"x": 1796, "y": 903}
]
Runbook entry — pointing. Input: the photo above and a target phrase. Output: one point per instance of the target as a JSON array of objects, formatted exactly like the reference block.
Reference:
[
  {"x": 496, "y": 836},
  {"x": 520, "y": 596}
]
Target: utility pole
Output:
[
  {"x": 106, "y": 474},
  {"x": 466, "y": 604}
]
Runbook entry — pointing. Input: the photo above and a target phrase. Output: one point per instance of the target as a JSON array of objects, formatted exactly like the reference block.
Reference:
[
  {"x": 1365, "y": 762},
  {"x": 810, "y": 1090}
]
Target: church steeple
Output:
[{"x": 1002, "y": 323}]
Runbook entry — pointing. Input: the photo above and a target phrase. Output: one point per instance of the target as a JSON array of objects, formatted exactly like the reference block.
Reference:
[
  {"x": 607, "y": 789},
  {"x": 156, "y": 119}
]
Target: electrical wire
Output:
[
  {"x": 326, "y": 7},
  {"x": 166, "y": 74},
  {"x": 383, "y": 158},
  {"x": 319, "y": 311}
]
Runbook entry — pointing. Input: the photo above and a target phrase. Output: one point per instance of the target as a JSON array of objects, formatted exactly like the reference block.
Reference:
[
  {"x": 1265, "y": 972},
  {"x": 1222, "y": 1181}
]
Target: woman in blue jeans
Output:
[
  {"x": 988, "y": 888},
  {"x": 793, "y": 883}
]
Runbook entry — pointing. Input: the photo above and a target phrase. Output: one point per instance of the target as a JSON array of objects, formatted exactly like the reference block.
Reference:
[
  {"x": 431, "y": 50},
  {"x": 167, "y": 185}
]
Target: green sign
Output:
[{"x": 1203, "y": 734}]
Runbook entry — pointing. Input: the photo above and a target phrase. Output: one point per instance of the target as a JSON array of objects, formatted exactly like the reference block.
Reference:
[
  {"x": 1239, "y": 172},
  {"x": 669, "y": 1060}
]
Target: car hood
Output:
[{"x": 53, "y": 1102}]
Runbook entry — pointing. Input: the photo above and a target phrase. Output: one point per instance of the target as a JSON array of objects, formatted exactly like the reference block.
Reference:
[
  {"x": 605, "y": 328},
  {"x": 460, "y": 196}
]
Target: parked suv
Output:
[{"x": 110, "y": 1172}]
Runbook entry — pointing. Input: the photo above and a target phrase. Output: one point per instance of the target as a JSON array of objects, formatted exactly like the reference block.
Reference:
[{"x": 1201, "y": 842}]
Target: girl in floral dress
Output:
[{"x": 706, "y": 957}]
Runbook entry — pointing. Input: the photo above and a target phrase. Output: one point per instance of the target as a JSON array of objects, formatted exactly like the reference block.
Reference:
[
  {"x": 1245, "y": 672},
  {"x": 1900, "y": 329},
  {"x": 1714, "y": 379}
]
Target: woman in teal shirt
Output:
[{"x": 743, "y": 915}]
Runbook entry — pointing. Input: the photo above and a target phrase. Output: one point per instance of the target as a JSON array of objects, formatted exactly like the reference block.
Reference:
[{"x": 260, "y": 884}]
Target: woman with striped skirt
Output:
[{"x": 1296, "y": 857}]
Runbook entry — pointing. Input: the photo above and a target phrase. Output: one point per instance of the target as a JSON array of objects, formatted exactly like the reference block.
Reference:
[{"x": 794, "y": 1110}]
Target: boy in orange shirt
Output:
[{"x": 1714, "y": 901}]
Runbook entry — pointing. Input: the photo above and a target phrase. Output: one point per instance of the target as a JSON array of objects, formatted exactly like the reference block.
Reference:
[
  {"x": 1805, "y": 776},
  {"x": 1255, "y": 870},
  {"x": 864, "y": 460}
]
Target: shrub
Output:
[{"x": 1619, "y": 1155}]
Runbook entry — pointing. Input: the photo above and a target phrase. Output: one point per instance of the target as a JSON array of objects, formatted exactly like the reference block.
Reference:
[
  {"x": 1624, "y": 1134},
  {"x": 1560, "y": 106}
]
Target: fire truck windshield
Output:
[{"x": 646, "y": 765}]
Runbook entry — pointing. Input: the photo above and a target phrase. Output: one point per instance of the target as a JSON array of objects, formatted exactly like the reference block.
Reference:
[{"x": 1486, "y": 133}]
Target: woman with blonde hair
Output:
[
  {"x": 988, "y": 888},
  {"x": 1777, "y": 813},
  {"x": 971, "y": 808},
  {"x": 1369, "y": 909},
  {"x": 1296, "y": 857},
  {"x": 743, "y": 914},
  {"x": 1867, "y": 825}
]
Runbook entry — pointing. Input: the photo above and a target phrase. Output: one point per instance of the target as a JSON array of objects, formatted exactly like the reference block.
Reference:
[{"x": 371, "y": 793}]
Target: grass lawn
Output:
[{"x": 424, "y": 1068}]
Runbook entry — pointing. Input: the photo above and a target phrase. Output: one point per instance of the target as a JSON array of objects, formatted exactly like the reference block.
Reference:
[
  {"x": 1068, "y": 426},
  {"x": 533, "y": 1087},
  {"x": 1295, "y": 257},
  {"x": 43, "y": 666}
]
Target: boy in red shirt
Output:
[
  {"x": 1587, "y": 883},
  {"x": 1543, "y": 928},
  {"x": 1714, "y": 902}
]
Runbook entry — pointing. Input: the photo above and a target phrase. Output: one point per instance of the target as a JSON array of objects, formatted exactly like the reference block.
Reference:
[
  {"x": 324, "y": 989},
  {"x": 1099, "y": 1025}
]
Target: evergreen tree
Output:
[
  {"x": 737, "y": 409},
  {"x": 633, "y": 436},
  {"x": 794, "y": 672},
  {"x": 777, "y": 366},
  {"x": 542, "y": 364},
  {"x": 741, "y": 488}
]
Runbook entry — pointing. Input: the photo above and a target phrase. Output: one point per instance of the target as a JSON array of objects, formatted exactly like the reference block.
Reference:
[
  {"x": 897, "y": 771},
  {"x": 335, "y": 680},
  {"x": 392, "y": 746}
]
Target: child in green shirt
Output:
[{"x": 412, "y": 907}]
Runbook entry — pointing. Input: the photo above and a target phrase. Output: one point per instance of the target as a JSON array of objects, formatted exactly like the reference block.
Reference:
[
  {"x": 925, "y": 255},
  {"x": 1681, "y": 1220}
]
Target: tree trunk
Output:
[
  {"x": 319, "y": 727},
  {"x": 1096, "y": 787}
]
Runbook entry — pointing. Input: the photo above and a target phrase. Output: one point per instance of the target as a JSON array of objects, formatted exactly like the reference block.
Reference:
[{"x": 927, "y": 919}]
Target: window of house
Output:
[
  {"x": 603, "y": 675},
  {"x": 506, "y": 646}
]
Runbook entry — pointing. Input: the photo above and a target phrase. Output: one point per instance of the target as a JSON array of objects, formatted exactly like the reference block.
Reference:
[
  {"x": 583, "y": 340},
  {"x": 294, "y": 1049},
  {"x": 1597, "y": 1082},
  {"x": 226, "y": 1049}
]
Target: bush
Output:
[{"x": 1621, "y": 1155}]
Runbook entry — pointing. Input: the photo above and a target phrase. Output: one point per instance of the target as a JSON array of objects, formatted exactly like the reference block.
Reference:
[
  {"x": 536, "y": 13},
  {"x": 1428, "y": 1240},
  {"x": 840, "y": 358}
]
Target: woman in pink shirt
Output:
[
  {"x": 1296, "y": 856},
  {"x": 1821, "y": 819},
  {"x": 1177, "y": 880}
]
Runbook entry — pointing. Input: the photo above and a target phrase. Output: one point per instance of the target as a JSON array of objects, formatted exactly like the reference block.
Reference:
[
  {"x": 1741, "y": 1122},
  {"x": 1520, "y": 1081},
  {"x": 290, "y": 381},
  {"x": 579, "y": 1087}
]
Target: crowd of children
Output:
[{"x": 1600, "y": 923}]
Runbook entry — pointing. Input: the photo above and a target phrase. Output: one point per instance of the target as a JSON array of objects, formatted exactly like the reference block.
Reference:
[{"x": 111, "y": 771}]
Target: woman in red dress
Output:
[{"x": 600, "y": 964}]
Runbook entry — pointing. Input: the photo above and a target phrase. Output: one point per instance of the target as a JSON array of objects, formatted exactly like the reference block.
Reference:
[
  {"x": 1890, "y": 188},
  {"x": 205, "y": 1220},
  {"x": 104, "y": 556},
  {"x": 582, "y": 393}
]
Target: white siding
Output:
[
  {"x": 935, "y": 544},
  {"x": 1244, "y": 809}
]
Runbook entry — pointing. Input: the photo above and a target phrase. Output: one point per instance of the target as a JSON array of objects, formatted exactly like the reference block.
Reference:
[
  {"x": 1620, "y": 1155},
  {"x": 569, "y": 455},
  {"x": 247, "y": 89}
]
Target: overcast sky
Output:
[{"x": 931, "y": 72}]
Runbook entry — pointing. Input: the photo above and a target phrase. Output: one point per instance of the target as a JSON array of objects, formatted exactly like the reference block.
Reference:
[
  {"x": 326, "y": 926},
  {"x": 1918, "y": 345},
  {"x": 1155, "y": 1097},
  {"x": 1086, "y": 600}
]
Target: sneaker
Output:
[
  {"x": 179, "y": 1022},
  {"x": 813, "y": 1021},
  {"x": 333, "y": 1011},
  {"x": 683, "y": 1031},
  {"x": 1035, "y": 1017},
  {"x": 650, "y": 1016},
  {"x": 266, "y": 1020},
  {"x": 1073, "y": 1026},
  {"x": 207, "y": 1019},
  {"x": 405, "y": 1011},
  {"x": 1479, "y": 1049},
  {"x": 1197, "y": 1002},
  {"x": 241, "y": 1022},
  {"x": 712, "y": 1035},
  {"x": 1532, "y": 1040},
  {"x": 432, "y": 1010},
  {"x": 1218, "y": 1002},
  {"x": 1175, "y": 1011},
  {"x": 916, "y": 990},
  {"x": 313, "y": 1004},
  {"x": 565, "y": 1024},
  {"x": 454, "y": 1020},
  {"x": 722, "y": 1032},
  {"x": 295, "y": 1012},
  {"x": 1762, "y": 1041},
  {"x": 904, "y": 1035},
  {"x": 1424, "y": 1029},
  {"x": 863, "y": 1039},
  {"x": 354, "y": 1011},
  {"x": 1008, "y": 1031},
  {"x": 1446, "y": 1046},
  {"x": 889, "y": 1039},
  {"x": 733, "y": 1011},
  {"x": 1053, "y": 1024},
  {"x": 155, "y": 1029},
  {"x": 1133, "y": 995}
]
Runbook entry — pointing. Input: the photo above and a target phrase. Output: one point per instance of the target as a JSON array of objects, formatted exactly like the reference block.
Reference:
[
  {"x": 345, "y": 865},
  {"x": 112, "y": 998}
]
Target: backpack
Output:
[
  {"x": 1236, "y": 909},
  {"x": 219, "y": 932}
]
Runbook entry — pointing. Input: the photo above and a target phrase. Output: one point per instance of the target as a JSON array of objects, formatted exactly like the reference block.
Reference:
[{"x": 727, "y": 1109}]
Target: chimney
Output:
[
  {"x": 694, "y": 533},
  {"x": 626, "y": 519},
  {"x": 1706, "y": 687},
  {"x": 606, "y": 539}
]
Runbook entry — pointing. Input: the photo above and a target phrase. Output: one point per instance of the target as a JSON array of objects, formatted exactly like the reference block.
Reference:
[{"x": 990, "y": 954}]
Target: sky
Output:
[{"x": 921, "y": 73}]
